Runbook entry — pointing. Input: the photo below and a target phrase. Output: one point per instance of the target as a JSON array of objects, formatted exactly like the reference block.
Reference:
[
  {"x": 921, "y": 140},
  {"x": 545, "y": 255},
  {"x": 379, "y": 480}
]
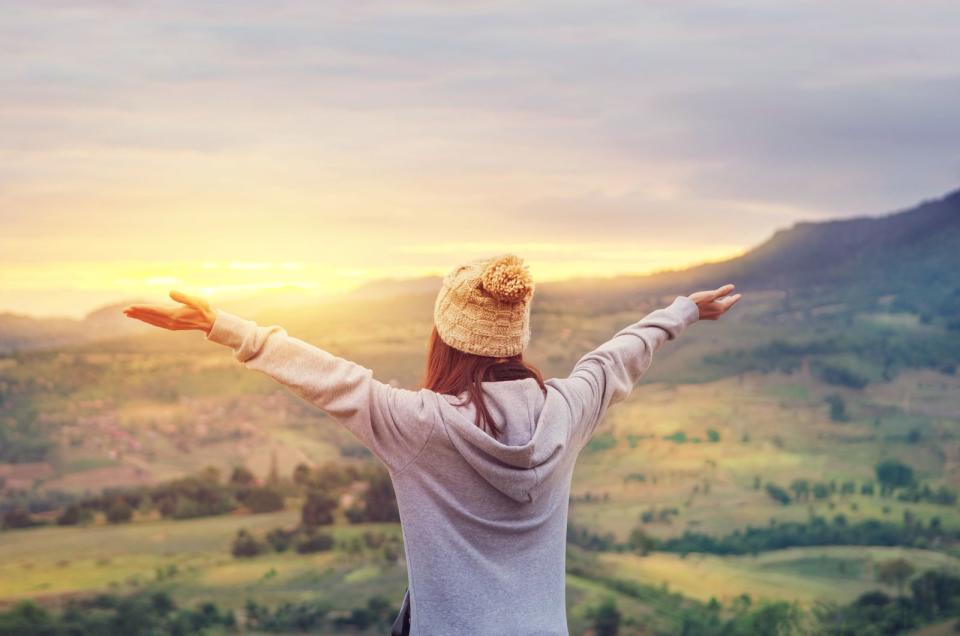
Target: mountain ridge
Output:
[{"x": 907, "y": 253}]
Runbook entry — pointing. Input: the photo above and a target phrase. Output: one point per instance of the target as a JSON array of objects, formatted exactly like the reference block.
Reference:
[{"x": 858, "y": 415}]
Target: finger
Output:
[
  {"x": 731, "y": 301},
  {"x": 157, "y": 321},
  {"x": 154, "y": 319},
  {"x": 181, "y": 297},
  {"x": 146, "y": 310},
  {"x": 721, "y": 291}
]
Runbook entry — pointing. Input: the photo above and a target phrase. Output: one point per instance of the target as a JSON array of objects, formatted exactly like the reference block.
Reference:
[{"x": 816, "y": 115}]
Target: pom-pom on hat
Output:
[{"x": 484, "y": 307}]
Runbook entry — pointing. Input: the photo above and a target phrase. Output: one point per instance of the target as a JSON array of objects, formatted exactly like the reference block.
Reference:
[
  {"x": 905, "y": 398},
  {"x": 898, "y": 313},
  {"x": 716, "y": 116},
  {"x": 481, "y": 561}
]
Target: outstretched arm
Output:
[
  {"x": 393, "y": 423},
  {"x": 608, "y": 374}
]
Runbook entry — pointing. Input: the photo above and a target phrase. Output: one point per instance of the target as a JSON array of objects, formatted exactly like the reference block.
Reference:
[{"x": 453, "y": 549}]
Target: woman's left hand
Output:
[{"x": 195, "y": 314}]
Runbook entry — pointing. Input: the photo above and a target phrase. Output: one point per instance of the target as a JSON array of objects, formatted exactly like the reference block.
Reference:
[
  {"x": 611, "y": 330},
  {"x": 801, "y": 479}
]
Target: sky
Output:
[{"x": 222, "y": 148}]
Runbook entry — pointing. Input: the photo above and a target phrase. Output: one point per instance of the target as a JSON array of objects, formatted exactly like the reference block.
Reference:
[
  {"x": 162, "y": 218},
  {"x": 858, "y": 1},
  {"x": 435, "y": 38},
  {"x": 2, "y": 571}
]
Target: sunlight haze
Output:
[{"x": 330, "y": 145}]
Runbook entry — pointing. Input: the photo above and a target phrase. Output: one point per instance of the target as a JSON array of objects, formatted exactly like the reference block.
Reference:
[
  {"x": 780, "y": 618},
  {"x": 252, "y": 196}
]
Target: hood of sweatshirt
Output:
[{"x": 535, "y": 430}]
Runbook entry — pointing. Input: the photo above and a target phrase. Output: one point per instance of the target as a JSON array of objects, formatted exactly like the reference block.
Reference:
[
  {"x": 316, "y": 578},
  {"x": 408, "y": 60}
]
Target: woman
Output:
[{"x": 482, "y": 478}]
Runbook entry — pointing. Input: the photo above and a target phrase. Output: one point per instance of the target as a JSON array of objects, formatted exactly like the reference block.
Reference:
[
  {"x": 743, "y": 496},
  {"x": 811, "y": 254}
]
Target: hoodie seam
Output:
[{"x": 433, "y": 425}]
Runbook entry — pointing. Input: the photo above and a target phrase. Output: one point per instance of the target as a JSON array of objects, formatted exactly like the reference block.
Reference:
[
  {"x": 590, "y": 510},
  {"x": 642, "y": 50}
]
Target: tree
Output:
[
  {"x": 641, "y": 542},
  {"x": 75, "y": 514},
  {"x": 28, "y": 618},
  {"x": 318, "y": 509},
  {"x": 18, "y": 517},
  {"x": 280, "y": 539},
  {"x": 893, "y": 474},
  {"x": 245, "y": 545},
  {"x": 301, "y": 475},
  {"x": 119, "y": 511},
  {"x": 242, "y": 476},
  {"x": 838, "y": 408},
  {"x": 895, "y": 572},
  {"x": 800, "y": 488},
  {"x": 778, "y": 493},
  {"x": 935, "y": 593},
  {"x": 606, "y": 618},
  {"x": 315, "y": 542},
  {"x": 261, "y": 500},
  {"x": 821, "y": 490}
]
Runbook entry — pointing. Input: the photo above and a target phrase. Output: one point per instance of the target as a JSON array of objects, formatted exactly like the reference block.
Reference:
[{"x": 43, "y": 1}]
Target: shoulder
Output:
[{"x": 410, "y": 403}]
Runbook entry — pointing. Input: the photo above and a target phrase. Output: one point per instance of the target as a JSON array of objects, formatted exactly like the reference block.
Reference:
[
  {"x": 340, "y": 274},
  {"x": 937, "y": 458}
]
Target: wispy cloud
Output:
[{"x": 372, "y": 136}]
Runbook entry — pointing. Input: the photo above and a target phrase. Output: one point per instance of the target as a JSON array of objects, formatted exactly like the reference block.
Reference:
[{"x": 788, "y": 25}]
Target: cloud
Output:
[{"x": 174, "y": 128}]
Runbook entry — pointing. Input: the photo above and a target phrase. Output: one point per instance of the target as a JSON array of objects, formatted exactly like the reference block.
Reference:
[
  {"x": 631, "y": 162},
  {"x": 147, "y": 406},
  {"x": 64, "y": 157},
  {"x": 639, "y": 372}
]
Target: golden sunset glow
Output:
[
  {"x": 319, "y": 148},
  {"x": 109, "y": 280}
]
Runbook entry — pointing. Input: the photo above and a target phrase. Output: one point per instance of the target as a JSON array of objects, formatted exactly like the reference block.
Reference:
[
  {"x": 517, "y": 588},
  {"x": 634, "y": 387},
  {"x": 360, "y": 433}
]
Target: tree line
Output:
[
  {"x": 817, "y": 531},
  {"x": 157, "y": 614},
  {"x": 207, "y": 494}
]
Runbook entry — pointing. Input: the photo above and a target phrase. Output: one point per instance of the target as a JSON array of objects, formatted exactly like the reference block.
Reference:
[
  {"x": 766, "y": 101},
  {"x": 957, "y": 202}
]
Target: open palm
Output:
[
  {"x": 712, "y": 304},
  {"x": 195, "y": 313}
]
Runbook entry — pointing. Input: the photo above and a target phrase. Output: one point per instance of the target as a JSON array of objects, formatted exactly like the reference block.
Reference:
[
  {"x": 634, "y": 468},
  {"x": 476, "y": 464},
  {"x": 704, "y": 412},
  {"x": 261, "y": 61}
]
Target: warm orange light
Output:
[{"x": 53, "y": 287}]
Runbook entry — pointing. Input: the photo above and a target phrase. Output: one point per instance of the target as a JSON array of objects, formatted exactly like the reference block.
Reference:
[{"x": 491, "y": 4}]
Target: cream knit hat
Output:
[{"x": 484, "y": 307}]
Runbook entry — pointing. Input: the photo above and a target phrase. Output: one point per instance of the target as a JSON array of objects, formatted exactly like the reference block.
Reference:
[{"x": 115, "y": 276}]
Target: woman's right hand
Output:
[
  {"x": 196, "y": 314},
  {"x": 711, "y": 303}
]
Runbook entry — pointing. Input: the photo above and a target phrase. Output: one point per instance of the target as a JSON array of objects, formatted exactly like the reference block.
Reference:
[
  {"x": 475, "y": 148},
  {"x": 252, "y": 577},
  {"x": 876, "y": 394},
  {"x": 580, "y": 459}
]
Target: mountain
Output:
[
  {"x": 855, "y": 251},
  {"x": 20, "y": 332},
  {"x": 911, "y": 256},
  {"x": 387, "y": 287}
]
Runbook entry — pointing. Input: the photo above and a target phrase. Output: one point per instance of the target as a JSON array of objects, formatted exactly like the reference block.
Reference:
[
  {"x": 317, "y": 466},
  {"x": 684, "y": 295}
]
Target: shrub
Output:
[
  {"x": 261, "y": 500},
  {"x": 601, "y": 442},
  {"x": 838, "y": 375},
  {"x": 245, "y": 545},
  {"x": 318, "y": 509},
  {"x": 18, "y": 517},
  {"x": 893, "y": 474},
  {"x": 838, "y": 408},
  {"x": 778, "y": 493},
  {"x": 119, "y": 511},
  {"x": 280, "y": 539},
  {"x": 316, "y": 542},
  {"x": 75, "y": 515},
  {"x": 605, "y": 617}
]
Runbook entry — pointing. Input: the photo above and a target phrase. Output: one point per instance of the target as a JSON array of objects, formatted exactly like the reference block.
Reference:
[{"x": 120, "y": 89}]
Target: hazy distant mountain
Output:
[
  {"x": 397, "y": 287},
  {"x": 19, "y": 332},
  {"x": 912, "y": 255},
  {"x": 914, "y": 246}
]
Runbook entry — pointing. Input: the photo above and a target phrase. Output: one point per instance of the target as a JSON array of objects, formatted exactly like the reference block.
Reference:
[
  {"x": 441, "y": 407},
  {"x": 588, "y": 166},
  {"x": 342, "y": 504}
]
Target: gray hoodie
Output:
[{"x": 484, "y": 521}]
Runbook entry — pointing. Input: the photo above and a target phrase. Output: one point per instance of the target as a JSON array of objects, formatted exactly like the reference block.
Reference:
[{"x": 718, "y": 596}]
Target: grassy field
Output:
[
  {"x": 687, "y": 440},
  {"x": 773, "y": 427},
  {"x": 55, "y": 561},
  {"x": 804, "y": 575},
  {"x": 197, "y": 567},
  {"x": 191, "y": 560}
]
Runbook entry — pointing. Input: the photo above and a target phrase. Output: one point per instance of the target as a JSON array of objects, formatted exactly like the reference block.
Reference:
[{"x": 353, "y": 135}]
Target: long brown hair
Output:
[{"x": 452, "y": 372}]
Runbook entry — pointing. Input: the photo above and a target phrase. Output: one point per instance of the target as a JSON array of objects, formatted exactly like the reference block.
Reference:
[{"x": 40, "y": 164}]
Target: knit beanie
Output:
[{"x": 484, "y": 307}]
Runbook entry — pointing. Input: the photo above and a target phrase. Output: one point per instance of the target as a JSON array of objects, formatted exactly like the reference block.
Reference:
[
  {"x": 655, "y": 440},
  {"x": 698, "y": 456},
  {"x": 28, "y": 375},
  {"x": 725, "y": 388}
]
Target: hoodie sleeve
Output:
[
  {"x": 393, "y": 423},
  {"x": 608, "y": 374}
]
